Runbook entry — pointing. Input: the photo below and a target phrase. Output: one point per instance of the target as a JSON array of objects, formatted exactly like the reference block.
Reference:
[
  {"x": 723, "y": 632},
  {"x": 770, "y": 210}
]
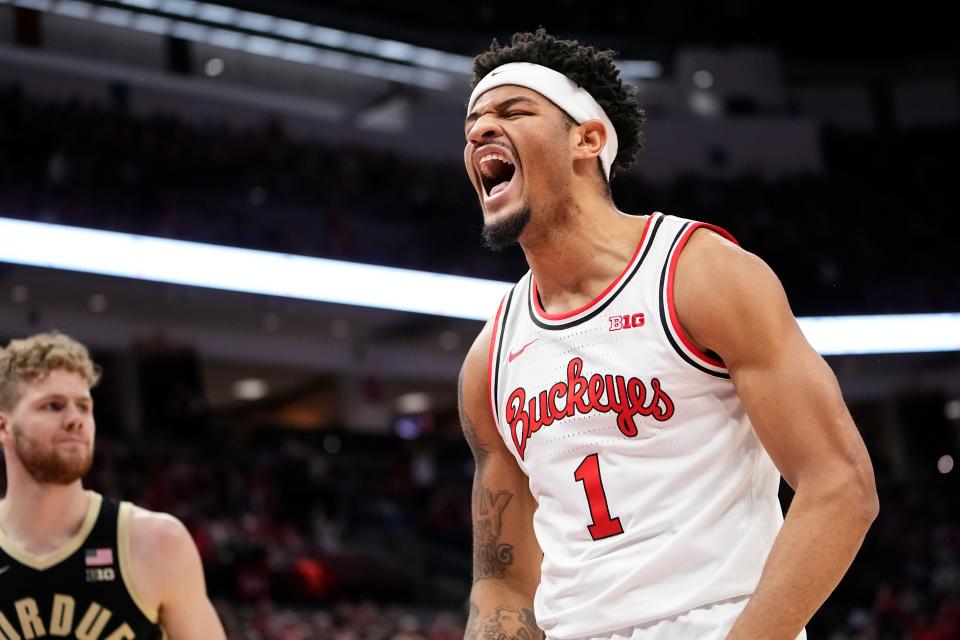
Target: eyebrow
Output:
[
  {"x": 64, "y": 396},
  {"x": 500, "y": 106}
]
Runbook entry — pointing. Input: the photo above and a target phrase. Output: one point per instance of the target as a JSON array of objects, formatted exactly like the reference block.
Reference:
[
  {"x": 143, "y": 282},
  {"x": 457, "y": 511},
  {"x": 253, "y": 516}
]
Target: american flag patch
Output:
[{"x": 98, "y": 557}]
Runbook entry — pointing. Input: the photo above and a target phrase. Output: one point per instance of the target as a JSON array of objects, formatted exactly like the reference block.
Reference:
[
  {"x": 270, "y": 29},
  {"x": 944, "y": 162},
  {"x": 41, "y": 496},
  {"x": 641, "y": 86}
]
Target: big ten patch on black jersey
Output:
[{"x": 80, "y": 591}]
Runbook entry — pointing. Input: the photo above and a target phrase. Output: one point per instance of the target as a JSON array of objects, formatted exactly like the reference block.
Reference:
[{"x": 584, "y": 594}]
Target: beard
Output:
[
  {"x": 50, "y": 466},
  {"x": 505, "y": 232}
]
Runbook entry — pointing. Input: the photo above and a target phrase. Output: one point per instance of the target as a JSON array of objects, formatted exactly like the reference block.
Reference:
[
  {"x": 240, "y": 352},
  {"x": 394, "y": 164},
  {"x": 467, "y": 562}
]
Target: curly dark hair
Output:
[{"x": 591, "y": 69}]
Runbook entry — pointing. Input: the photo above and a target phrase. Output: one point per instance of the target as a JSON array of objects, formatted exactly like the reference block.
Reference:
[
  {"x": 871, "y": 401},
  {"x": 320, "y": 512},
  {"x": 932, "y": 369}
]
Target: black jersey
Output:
[{"x": 83, "y": 590}]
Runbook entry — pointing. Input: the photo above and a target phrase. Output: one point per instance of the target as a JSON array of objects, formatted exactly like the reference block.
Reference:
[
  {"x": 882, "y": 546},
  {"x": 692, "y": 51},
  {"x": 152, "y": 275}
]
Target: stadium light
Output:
[
  {"x": 246, "y": 270},
  {"x": 110, "y": 253},
  {"x": 207, "y": 32},
  {"x": 291, "y": 40}
]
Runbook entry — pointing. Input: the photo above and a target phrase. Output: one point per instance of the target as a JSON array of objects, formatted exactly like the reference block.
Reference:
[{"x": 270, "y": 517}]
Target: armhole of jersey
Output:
[
  {"x": 123, "y": 550},
  {"x": 493, "y": 362},
  {"x": 677, "y": 337}
]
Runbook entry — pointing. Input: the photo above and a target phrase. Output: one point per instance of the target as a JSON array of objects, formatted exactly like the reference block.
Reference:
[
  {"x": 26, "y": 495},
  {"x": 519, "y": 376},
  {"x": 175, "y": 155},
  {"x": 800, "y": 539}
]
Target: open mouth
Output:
[{"x": 496, "y": 172}]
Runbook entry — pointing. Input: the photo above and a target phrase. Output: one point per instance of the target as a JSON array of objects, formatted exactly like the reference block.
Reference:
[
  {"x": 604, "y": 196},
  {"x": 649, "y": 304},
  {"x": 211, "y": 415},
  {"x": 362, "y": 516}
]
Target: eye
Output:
[
  {"x": 515, "y": 114},
  {"x": 54, "y": 405}
]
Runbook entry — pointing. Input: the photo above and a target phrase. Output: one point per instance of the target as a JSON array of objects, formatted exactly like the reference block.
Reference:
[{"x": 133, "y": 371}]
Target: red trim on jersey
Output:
[
  {"x": 688, "y": 343},
  {"x": 563, "y": 316},
  {"x": 493, "y": 347}
]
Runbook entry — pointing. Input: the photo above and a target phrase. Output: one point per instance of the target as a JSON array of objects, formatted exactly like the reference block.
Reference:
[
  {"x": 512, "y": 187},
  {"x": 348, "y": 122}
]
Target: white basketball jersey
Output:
[{"x": 654, "y": 495}]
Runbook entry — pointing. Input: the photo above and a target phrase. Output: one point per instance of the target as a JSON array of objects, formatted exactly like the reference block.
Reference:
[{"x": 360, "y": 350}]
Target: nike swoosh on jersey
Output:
[{"x": 513, "y": 356}]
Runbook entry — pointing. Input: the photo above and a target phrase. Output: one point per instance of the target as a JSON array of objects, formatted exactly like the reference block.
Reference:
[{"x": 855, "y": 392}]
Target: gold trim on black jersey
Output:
[
  {"x": 123, "y": 550},
  {"x": 42, "y": 562}
]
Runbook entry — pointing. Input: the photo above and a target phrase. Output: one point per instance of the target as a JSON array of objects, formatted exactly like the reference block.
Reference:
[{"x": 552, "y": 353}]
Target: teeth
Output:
[
  {"x": 487, "y": 158},
  {"x": 493, "y": 156}
]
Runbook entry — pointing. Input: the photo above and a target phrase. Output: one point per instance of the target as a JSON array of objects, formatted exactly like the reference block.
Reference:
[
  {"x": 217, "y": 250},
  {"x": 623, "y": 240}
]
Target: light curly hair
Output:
[{"x": 34, "y": 358}]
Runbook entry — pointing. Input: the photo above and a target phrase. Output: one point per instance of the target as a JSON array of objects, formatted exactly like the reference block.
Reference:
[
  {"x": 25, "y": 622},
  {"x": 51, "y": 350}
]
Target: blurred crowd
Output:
[
  {"x": 342, "y": 621},
  {"x": 905, "y": 582},
  {"x": 885, "y": 204},
  {"x": 282, "y": 519},
  {"x": 373, "y": 542}
]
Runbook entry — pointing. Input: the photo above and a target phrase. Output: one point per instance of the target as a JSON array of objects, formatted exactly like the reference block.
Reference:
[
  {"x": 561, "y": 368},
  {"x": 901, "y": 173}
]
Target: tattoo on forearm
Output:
[
  {"x": 469, "y": 428},
  {"x": 490, "y": 556},
  {"x": 505, "y": 623}
]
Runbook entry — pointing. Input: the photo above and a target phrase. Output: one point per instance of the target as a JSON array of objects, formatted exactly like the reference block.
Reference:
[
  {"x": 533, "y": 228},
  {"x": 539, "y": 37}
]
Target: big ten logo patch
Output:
[
  {"x": 101, "y": 574},
  {"x": 629, "y": 321}
]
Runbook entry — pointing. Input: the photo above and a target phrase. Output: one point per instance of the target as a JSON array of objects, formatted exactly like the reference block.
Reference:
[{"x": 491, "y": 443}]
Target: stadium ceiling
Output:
[
  {"x": 286, "y": 39},
  {"x": 816, "y": 29}
]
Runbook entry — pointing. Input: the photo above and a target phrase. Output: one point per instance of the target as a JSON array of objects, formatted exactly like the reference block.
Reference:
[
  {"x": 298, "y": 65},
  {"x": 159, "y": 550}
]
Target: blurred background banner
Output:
[
  {"x": 323, "y": 280},
  {"x": 257, "y": 216}
]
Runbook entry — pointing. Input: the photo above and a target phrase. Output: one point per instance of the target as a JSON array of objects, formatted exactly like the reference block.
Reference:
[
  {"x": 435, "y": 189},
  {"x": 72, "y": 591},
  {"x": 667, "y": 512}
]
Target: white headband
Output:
[{"x": 571, "y": 98}]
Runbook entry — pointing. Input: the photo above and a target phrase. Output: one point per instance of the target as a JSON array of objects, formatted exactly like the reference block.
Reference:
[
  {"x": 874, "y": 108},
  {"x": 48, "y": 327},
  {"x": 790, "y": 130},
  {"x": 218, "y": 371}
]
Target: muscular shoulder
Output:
[
  {"x": 152, "y": 531},
  {"x": 161, "y": 548},
  {"x": 476, "y": 413},
  {"x": 711, "y": 263},
  {"x": 476, "y": 364},
  {"x": 727, "y": 299}
]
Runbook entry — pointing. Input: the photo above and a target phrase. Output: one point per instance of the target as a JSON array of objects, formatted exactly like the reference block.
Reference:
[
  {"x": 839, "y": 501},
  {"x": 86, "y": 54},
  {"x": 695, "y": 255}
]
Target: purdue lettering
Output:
[
  {"x": 61, "y": 618},
  {"x": 29, "y": 617},
  {"x": 91, "y": 625},
  {"x": 7, "y": 629},
  {"x": 93, "y": 622},
  {"x": 123, "y": 633}
]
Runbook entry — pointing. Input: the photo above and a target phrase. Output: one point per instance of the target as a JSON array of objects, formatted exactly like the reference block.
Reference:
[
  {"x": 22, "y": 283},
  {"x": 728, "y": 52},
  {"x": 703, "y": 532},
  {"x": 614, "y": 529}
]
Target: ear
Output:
[
  {"x": 591, "y": 136},
  {"x": 4, "y": 426}
]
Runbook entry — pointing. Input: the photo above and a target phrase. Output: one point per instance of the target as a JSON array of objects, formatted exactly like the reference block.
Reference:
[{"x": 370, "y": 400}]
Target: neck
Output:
[
  {"x": 40, "y": 517},
  {"x": 585, "y": 248}
]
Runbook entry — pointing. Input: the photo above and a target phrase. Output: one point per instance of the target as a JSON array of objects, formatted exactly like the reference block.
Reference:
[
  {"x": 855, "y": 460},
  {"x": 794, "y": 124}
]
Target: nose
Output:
[
  {"x": 73, "y": 418},
  {"x": 484, "y": 128}
]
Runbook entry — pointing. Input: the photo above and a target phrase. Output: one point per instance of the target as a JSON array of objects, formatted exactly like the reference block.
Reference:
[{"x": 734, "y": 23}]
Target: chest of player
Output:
[
  {"x": 617, "y": 374},
  {"x": 611, "y": 372},
  {"x": 78, "y": 591},
  {"x": 607, "y": 413},
  {"x": 71, "y": 599}
]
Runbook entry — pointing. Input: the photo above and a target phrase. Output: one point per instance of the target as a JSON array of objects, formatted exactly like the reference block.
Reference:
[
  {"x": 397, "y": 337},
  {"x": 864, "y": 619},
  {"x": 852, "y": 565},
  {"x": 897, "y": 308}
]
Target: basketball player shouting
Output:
[
  {"x": 633, "y": 399},
  {"x": 74, "y": 564}
]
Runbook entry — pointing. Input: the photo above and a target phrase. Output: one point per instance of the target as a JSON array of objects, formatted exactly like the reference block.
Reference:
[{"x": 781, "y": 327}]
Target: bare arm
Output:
[
  {"x": 506, "y": 556},
  {"x": 168, "y": 572},
  {"x": 730, "y": 302}
]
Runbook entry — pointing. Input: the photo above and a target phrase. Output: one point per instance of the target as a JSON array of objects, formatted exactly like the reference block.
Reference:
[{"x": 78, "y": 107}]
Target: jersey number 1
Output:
[{"x": 603, "y": 525}]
